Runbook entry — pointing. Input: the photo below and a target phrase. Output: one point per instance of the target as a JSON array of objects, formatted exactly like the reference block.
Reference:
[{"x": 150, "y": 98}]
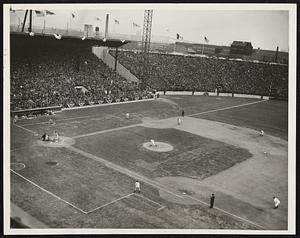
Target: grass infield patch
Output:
[{"x": 193, "y": 156}]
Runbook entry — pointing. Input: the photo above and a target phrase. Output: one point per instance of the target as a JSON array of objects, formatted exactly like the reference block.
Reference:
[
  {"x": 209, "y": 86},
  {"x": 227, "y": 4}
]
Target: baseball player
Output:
[
  {"x": 137, "y": 187},
  {"x": 276, "y": 202}
]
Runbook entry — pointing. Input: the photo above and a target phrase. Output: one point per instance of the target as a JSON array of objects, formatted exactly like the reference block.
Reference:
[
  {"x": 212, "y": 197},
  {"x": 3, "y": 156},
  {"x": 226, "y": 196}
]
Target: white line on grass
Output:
[
  {"x": 105, "y": 131},
  {"x": 236, "y": 216},
  {"x": 33, "y": 132},
  {"x": 122, "y": 170},
  {"x": 52, "y": 194},
  {"x": 161, "y": 206},
  {"x": 141, "y": 124},
  {"x": 148, "y": 181},
  {"x": 226, "y": 108},
  {"x": 97, "y": 208}
]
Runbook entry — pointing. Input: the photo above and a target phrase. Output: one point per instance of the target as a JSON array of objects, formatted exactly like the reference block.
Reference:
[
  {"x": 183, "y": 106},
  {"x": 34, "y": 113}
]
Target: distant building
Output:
[{"x": 241, "y": 48}]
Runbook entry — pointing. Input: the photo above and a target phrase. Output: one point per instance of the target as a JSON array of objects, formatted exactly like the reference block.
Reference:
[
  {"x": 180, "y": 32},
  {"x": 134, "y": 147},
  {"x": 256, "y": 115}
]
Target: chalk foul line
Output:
[
  {"x": 226, "y": 108},
  {"x": 154, "y": 184},
  {"x": 228, "y": 213},
  {"x": 141, "y": 124},
  {"x": 30, "y": 131},
  {"x": 122, "y": 170},
  {"x": 109, "y": 203},
  {"x": 150, "y": 200},
  {"x": 50, "y": 193}
]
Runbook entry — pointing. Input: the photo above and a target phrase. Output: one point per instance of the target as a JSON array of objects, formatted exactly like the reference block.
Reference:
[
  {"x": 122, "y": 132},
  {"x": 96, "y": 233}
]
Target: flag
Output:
[
  {"x": 179, "y": 37},
  {"x": 11, "y": 10},
  {"x": 39, "y": 13},
  {"x": 135, "y": 25},
  {"x": 73, "y": 15},
  {"x": 57, "y": 36},
  {"x": 97, "y": 19},
  {"x": 117, "y": 22},
  {"x": 49, "y": 13},
  {"x": 206, "y": 40}
]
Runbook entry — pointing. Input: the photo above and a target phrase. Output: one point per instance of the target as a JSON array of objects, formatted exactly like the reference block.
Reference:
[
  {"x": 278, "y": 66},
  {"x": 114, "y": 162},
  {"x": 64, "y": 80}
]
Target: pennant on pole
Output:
[
  {"x": 73, "y": 15},
  {"x": 117, "y": 22},
  {"x": 206, "y": 40},
  {"x": 57, "y": 36},
  {"x": 135, "y": 25},
  {"x": 49, "y": 12},
  {"x": 39, "y": 13}
]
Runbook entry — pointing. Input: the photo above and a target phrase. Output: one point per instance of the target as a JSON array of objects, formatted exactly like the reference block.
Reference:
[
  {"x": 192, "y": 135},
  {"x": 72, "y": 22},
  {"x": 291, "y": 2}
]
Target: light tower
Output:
[
  {"x": 147, "y": 31},
  {"x": 146, "y": 45}
]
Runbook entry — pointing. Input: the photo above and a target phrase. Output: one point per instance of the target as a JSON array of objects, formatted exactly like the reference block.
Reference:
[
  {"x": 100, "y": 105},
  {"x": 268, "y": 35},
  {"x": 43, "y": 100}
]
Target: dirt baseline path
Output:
[{"x": 247, "y": 188}]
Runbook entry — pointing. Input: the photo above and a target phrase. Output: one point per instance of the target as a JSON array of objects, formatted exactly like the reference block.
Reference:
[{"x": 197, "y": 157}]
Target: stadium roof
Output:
[{"x": 87, "y": 41}]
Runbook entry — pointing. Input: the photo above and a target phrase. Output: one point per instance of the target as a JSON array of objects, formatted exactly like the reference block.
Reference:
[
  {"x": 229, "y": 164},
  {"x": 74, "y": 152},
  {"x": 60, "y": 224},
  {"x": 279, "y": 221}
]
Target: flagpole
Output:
[
  {"x": 44, "y": 23},
  {"x": 70, "y": 22}
]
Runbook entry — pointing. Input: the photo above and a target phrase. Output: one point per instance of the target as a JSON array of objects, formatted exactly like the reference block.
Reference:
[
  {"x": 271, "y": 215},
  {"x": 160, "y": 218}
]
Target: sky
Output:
[{"x": 264, "y": 28}]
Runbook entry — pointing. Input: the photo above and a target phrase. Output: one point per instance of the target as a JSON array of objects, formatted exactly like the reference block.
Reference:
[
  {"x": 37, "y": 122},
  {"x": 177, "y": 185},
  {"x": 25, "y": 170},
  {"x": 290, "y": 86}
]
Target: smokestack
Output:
[
  {"x": 276, "y": 54},
  {"x": 106, "y": 26}
]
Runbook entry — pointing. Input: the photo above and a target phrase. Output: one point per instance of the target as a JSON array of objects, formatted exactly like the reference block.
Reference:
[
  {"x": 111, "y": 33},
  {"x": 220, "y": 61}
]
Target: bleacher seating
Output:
[
  {"x": 44, "y": 75},
  {"x": 185, "y": 72}
]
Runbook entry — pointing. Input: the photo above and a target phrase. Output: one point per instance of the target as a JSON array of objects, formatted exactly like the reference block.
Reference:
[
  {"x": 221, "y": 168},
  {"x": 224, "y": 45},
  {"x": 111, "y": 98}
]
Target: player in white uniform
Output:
[
  {"x": 137, "y": 187},
  {"x": 276, "y": 202},
  {"x": 55, "y": 136},
  {"x": 152, "y": 143},
  {"x": 179, "y": 121}
]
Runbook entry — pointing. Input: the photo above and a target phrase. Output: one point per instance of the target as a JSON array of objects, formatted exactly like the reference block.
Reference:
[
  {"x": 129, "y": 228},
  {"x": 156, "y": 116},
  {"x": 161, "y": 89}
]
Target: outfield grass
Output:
[
  {"x": 86, "y": 120},
  {"x": 128, "y": 213},
  {"x": 270, "y": 116},
  {"x": 89, "y": 184}
]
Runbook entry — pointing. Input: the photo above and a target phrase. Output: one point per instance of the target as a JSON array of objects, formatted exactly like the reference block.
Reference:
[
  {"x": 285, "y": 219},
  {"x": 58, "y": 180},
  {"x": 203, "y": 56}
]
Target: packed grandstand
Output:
[
  {"x": 205, "y": 74},
  {"x": 64, "y": 74},
  {"x": 69, "y": 74}
]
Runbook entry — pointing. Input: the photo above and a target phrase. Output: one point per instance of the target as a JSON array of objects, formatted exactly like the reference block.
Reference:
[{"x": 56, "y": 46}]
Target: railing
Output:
[{"x": 35, "y": 111}]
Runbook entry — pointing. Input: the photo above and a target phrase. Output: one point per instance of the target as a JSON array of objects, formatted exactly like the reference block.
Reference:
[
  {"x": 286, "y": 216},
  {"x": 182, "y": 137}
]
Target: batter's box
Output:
[
  {"x": 141, "y": 202},
  {"x": 133, "y": 200}
]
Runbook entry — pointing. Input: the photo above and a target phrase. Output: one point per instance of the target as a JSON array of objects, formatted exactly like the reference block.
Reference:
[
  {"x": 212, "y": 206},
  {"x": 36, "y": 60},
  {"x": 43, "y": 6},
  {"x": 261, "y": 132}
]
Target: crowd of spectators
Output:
[
  {"x": 205, "y": 74},
  {"x": 64, "y": 75}
]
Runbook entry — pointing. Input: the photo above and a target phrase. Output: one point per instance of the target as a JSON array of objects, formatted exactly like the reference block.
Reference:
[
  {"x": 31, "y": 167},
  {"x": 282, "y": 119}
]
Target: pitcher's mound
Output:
[
  {"x": 160, "y": 147},
  {"x": 62, "y": 142}
]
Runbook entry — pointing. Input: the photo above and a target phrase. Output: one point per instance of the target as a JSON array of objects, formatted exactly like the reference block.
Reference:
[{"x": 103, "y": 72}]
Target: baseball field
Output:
[{"x": 86, "y": 179}]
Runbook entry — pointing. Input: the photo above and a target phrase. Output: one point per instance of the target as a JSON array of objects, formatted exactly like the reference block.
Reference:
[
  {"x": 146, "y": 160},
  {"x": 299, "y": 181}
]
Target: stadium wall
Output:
[
  {"x": 212, "y": 94},
  {"x": 102, "y": 53}
]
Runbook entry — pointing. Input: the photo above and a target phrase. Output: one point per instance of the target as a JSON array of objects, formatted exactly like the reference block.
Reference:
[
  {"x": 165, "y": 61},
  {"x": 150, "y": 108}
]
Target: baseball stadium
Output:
[{"x": 203, "y": 134}]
